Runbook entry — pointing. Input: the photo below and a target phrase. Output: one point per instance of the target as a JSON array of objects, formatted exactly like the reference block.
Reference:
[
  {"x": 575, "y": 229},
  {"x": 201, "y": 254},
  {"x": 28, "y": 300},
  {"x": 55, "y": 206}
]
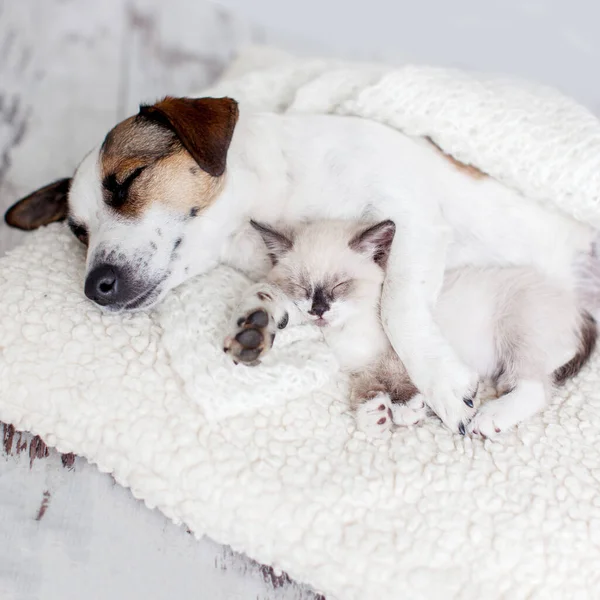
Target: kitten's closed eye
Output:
[
  {"x": 298, "y": 291},
  {"x": 341, "y": 289}
]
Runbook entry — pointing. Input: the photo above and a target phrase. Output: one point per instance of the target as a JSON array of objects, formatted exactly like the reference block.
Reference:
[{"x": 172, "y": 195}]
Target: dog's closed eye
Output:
[
  {"x": 117, "y": 192},
  {"x": 79, "y": 231}
]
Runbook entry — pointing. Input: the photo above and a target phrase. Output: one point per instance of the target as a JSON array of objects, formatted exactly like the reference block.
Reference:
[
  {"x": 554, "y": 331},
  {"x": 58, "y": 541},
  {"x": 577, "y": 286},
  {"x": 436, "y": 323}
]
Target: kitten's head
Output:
[{"x": 332, "y": 270}]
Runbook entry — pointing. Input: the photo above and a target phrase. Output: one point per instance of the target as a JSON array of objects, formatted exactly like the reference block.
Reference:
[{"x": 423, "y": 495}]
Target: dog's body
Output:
[{"x": 157, "y": 206}]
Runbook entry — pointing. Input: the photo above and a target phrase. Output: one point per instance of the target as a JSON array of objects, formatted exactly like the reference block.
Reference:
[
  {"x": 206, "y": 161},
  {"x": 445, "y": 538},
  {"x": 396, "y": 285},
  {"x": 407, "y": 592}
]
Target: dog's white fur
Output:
[{"x": 282, "y": 167}]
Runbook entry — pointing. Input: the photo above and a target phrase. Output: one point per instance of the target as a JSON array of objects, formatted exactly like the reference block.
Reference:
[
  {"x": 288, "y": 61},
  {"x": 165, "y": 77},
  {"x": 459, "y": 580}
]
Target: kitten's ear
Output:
[
  {"x": 375, "y": 241},
  {"x": 277, "y": 244}
]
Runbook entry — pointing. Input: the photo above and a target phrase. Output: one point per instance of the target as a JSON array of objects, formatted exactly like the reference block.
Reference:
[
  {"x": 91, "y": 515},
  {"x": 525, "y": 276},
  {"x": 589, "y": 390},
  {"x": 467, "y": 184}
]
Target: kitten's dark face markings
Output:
[
  {"x": 326, "y": 293},
  {"x": 317, "y": 297},
  {"x": 320, "y": 302}
]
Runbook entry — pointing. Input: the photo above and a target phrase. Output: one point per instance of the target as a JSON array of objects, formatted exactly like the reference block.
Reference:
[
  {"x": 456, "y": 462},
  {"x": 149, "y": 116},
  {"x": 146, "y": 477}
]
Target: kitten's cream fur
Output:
[{"x": 513, "y": 326}]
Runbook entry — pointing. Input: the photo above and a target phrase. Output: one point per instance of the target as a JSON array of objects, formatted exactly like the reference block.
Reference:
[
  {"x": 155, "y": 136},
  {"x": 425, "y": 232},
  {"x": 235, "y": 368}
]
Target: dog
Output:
[{"x": 169, "y": 194}]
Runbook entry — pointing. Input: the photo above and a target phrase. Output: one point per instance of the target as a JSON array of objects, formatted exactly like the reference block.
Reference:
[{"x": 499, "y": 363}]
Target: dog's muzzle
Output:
[
  {"x": 113, "y": 288},
  {"x": 104, "y": 285}
]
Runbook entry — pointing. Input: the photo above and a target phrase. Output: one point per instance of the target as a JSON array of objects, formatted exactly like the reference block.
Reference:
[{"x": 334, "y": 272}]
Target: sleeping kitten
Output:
[{"x": 512, "y": 325}]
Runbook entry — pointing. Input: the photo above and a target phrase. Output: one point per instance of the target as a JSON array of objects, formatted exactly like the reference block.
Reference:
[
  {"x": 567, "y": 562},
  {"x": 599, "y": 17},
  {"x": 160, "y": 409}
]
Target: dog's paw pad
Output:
[
  {"x": 258, "y": 318},
  {"x": 251, "y": 339}
]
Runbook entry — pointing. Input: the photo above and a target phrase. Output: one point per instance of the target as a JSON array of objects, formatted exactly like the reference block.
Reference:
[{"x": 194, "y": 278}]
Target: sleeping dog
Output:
[{"x": 170, "y": 192}]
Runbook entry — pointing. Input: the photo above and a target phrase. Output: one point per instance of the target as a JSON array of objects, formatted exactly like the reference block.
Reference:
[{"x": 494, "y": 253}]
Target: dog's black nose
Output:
[{"x": 102, "y": 285}]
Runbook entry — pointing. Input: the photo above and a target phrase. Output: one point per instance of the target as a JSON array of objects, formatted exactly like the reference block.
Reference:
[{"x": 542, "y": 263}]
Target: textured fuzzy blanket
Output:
[{"x": 286, "y": 478}]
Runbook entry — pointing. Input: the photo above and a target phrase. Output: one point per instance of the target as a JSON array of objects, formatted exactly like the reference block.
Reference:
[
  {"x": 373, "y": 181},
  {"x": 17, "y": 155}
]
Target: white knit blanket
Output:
[{"x": 287, "y": 480}]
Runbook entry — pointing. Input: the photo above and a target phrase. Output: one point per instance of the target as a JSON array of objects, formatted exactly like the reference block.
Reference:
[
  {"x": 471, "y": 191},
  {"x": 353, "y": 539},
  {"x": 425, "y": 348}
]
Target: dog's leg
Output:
[
  {"x": 415, "y": 271},
  {"x": 263, "y": 310}
]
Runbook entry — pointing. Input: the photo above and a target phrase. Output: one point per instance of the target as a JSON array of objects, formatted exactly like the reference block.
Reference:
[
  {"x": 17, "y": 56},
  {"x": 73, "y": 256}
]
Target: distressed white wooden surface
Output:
[
  {"x": 68, "y": 532},
  {"x": 69, "y": 70}
]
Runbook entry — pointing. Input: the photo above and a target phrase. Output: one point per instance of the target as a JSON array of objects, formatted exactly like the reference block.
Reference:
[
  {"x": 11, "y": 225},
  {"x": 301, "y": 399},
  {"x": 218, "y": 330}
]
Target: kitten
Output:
[{"x": 511, "y": 324}]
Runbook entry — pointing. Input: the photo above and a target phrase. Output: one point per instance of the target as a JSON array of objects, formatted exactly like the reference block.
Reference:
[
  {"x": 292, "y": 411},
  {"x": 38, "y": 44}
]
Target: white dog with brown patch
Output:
[{"x": 170, "y": 192}]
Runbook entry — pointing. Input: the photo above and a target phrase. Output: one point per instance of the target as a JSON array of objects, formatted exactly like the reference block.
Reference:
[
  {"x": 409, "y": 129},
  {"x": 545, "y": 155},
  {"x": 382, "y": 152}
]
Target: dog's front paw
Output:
[
  {"x": 374, "y": 417},
  {"x": 253, "y": 337},
  {"x": 452, "y": 398}
]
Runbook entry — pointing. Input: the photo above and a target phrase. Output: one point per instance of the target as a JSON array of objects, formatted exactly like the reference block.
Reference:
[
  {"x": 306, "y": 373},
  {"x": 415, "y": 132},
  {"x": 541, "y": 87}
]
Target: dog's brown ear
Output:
[
  {"x": 44, "y": 206},
  {"x": 203, "y": 125}
]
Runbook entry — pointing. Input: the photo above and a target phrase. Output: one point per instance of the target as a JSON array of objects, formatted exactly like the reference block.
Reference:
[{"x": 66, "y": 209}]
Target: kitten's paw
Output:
[
  {"x": 253, "y": 337},
  {"x": 494, "y": 418},
  {"x": 484, "y": 425},
  {"x": 374, "y": 417},
  {"x": 502, "y": 414},
  {"x": 409, "y": 413},
  {"x": 452, "y": 398}
]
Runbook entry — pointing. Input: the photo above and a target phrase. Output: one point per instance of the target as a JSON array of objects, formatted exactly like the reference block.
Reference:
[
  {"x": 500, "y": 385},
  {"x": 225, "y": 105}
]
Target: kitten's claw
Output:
[
  {"x": 374, "y": 417},
  {"x": 253, "y": 337}
]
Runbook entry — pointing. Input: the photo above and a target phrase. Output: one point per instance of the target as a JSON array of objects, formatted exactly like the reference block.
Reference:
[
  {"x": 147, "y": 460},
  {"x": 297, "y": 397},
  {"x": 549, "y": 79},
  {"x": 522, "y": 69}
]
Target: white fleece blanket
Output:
[{"x": 288, "y": 481}]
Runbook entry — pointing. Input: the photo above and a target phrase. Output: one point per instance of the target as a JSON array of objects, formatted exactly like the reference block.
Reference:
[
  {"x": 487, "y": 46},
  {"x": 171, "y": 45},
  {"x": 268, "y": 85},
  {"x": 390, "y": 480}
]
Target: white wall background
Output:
[{"x": 552, "y": 41}]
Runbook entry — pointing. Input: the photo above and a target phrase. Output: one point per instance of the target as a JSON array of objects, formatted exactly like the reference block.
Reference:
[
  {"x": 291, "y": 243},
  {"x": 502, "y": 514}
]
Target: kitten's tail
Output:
[{"x": 588, "y": 335}]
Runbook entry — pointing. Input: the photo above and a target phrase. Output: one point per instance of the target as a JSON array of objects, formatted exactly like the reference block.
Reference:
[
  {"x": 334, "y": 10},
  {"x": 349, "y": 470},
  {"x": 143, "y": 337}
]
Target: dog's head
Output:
[{"x": 135, "y": 200}]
